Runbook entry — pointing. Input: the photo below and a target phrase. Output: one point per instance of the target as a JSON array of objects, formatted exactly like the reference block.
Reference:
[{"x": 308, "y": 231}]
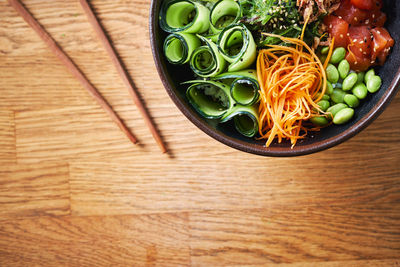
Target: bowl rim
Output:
[{"x": 365, "y": 121}]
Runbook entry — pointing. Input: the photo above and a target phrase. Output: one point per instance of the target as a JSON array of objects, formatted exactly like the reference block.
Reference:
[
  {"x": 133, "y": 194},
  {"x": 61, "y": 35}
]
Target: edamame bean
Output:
[
  {"x": 329, "y": 88},
  {"x": 338, "y": 55},
  {"x": 323, "y": 105},
  {"x": 360, "y": 77},
  {"x": 319, "y": 121},
  {"x": 343, "y": 68},
  {"x": 325, "y": 97},
  {"x": 332, "y": 73},
  {"x": 338, "y": 95},
  {"x": 351, "y": 100},
  {"x": 343, "y": 116},
  {"x": 325, "y": 50},
  {"x": 368, "y": 75},
  {"x": 360, "y": 91},
  {"x": 332, "y": 110},
  {"x": 374, "y": 83},
  {"x": 350, "y": 81}
]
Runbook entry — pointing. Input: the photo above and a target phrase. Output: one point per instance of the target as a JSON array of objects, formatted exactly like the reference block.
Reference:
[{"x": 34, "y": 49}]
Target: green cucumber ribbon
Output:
[
  {"x": 184, "y": 16},
  {"x": 212, "y": 100},
  {"x": 178, "y": 47},
  {"x": 223, "y": 14},
  {"x": 209, "y": 98},
  {"x": 245, "y": 118},
  {"x": 237, "y": 46},
  {"x": 206, "y": 61},
  {"x": 244, "y": 86}
]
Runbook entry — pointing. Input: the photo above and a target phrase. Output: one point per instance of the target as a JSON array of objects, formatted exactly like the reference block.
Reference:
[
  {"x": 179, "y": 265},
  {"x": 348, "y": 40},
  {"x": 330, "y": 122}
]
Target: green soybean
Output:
[
  {"x": 338, "y": 95},
  {"x": 338, "y": 55},
  {"x": 319, "y": 121},
  {"x": 343, "y": 116},
  {"x": 351, "y": 100},
  {"x": 325, "y": 97},
  {"x": 360, "y": 77},
  {"x": 368, "y": 75},
  {"x": 360, "y": 91},
  {"x": 325, "y": 50},
  {"x": 374, "y": 83},
  {"x": 343, "y": 68},
  {"x": 349, "y": 82},
  {"x": 329, "y": 88},
  {"x": 332, "y": 73},
  {"x": 323, "y": 104},
  {"x": 332, "y": 110}
]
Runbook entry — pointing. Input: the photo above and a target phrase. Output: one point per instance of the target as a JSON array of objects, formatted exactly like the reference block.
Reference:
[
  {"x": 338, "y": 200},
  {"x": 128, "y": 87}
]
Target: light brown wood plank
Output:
[
  {"x": 54, "y": 134},
  {"x": 360, "y": 263},
  {"x": 7, "y": 137},
  {"x": 295, "y": 234},
  {"x": 32, "y": 190},
  {"x": 153, "y": 240},
  {"x": 194, "y": 184}
]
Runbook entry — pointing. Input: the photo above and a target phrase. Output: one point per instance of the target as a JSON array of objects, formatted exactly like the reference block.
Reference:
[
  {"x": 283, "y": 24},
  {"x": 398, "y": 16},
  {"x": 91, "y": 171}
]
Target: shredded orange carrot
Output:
[
  {"x": 291, "y": 82},
  {"x": 328, "y": 57}
]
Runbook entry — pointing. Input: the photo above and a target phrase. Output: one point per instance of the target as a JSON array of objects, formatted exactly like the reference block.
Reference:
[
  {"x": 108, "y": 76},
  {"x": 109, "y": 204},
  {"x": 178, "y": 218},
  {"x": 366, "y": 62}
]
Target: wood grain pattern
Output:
[
  {"x": 75, "y": 192},
  {"x": 359, "y": 263},
  {"x": 96, "y": 241},
  {"x": 31, "y": 190},
  {"x": 299, "y": 234},
  {"x": 98, "y": 188},
  {"x": 7, "y": 137}
]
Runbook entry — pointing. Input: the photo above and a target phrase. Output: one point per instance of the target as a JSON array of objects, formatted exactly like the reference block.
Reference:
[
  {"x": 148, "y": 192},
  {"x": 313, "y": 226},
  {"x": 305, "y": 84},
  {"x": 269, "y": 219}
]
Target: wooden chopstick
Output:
[
  {"x": 70, "y": 66},
  {"x": 122, "y": 72}
]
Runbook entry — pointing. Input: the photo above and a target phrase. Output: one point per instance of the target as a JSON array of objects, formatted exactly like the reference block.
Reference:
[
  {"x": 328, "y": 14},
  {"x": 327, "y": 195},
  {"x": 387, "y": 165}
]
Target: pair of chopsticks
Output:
[{"x": 81, "y": 77}]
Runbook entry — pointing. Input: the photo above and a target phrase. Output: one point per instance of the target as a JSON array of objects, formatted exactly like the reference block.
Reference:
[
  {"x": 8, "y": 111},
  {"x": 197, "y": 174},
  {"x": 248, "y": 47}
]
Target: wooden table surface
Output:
[{"x": 74, "y": 191}]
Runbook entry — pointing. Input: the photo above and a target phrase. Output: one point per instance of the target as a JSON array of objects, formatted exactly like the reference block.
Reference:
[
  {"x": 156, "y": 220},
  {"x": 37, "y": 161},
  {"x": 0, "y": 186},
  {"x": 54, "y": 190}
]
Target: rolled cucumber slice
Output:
[
  {"x": 184, "y": 16},
  {"x": 209, "y": 98},
  {"x": 178, "y": 47},
  {"x": 206, "y": 61},
  {"x": 223, "y": 14},
  {"x": 245, "y": 119},
  {"x": 244, "y": 87},
  {"x": 237, "y": 46}
]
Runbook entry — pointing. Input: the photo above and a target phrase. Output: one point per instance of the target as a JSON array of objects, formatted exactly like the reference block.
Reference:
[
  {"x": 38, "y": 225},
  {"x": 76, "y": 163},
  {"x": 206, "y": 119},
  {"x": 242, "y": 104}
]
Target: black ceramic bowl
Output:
[{"x": 368, "y": 111}]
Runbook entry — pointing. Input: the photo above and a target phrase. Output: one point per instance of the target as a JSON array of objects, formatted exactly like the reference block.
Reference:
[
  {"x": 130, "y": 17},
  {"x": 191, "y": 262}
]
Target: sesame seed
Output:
[
  {"x": 348, "y": 34},
  {"x": 373, "y": 16},
  {"x": 367, "y": 21},
  {"x": 341, "y": 36},
  {"x": 340, "y": 17},
  {"x": 378, "y": 32},
  {"x": 354, "y": 40},
  {"x": 361, "y": 42},
  {"x": 373, "y": 61},
  {"x": 355, "y": 63},
  {"x": 364, "y": 53},
  {"x": 355, "y": 18},
  {"x": 374, "y": 49},
  {"x": 360, "y": 49},
  {"x": 330, "y": 26}
]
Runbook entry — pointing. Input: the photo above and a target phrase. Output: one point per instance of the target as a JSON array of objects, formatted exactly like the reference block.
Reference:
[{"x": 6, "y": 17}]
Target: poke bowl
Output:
[{"x": 177, "y": 80}]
